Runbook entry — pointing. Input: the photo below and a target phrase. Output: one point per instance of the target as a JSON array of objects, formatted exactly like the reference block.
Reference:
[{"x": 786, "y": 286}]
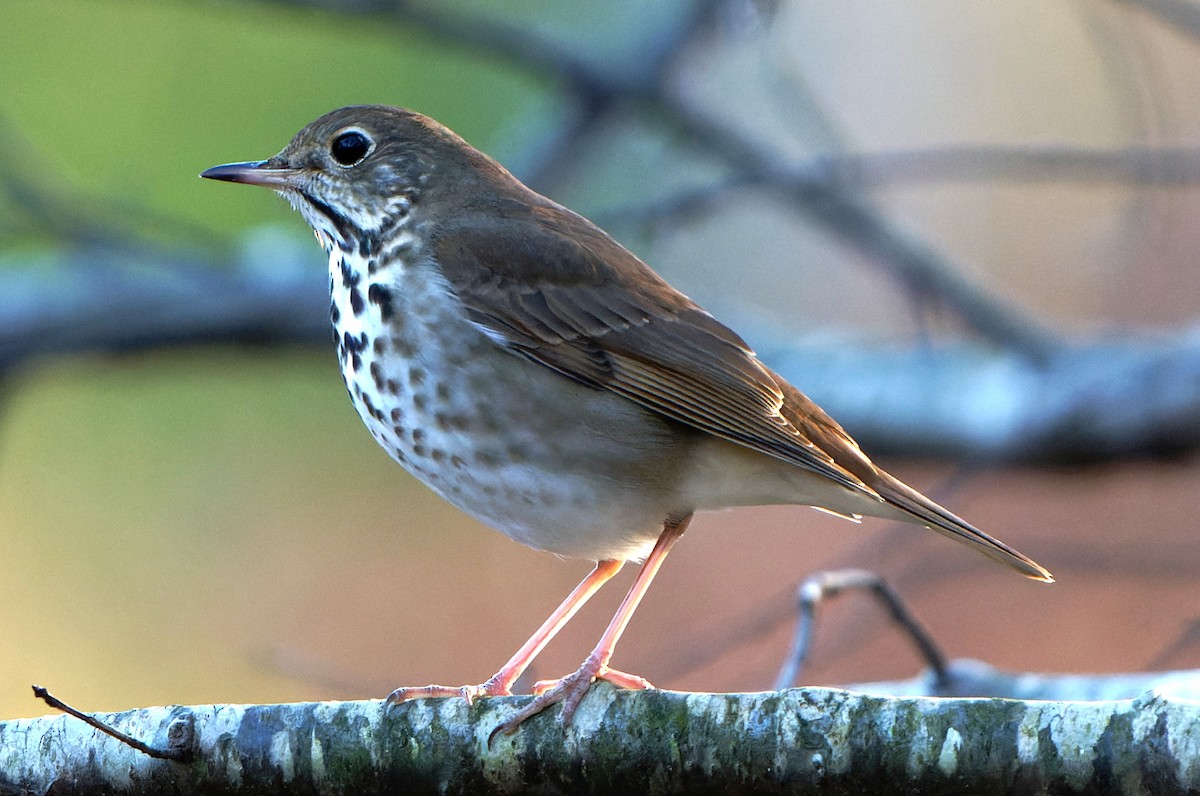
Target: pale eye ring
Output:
[{"x": 351, "y": 147}]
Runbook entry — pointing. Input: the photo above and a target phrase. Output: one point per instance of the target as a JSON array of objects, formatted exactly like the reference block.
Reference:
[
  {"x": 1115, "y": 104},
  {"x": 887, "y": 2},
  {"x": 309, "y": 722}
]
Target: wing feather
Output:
[
  {"x": 555, "y": 288},
  {"x": 622, "y": 329}
]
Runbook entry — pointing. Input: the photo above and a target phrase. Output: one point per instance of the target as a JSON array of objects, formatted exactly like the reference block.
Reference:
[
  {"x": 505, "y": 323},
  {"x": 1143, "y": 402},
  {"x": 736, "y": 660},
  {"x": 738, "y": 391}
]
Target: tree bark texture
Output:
[{"x": 797, "y": 741}]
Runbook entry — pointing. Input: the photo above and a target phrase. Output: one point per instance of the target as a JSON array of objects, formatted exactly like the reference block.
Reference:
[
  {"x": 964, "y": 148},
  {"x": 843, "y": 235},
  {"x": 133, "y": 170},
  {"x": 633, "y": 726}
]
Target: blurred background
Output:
[{"x": 968, "y": 229}]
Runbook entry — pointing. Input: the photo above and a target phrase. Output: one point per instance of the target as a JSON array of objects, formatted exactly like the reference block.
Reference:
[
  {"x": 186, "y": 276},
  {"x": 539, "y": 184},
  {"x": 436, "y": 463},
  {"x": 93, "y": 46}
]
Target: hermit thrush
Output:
[{"x": 539, "y": 376}]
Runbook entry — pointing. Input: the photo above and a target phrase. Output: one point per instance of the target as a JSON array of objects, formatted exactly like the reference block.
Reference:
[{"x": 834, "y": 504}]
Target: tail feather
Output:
[
  {"x": 843, "y": 451},
  {"x": 902, "y": 496}
]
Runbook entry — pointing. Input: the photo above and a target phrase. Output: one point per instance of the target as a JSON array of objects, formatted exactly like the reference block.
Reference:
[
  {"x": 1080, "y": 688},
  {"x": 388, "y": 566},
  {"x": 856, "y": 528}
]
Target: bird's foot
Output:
[
  {"x": 493, "y": 687},
  {"x": 617, "y": 678},
  {"x": 570, "y": 691}
]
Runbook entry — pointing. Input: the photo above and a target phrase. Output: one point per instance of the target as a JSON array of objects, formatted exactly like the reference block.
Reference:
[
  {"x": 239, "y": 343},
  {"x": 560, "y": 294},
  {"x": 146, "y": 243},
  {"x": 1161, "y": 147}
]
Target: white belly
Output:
[{"x": 511, "y": 443}]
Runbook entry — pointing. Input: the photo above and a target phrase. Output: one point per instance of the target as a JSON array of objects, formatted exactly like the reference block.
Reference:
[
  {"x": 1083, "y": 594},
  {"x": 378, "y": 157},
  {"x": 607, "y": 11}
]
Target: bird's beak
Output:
[{"x": 261, "y": 172}]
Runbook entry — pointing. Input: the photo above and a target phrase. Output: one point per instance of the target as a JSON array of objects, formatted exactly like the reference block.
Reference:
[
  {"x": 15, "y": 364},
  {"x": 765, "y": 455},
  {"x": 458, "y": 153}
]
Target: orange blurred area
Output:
[{"x": 233, "y": 562}]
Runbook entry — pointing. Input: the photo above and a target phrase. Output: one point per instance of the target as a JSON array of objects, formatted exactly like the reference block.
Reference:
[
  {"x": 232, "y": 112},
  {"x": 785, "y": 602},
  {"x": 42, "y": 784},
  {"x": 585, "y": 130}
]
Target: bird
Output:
[{"x": 539, "y": 376}]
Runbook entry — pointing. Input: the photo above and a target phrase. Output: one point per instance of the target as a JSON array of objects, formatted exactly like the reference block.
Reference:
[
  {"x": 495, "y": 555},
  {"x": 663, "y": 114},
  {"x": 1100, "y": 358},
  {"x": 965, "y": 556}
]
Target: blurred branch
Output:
[
  {"x": 1128, "y": 165},
  {"x": 915, "y": 264},
  {"x": 811, "y": 740},
  {"x": 594, "y": 91},
  {"x": 645, "y": 83},
  {"x": 944, "y": 164},
  {"x": 1040, "y": 399},
  {"x": 39, "y": 203},
  {"x": 1182, "y": 15},
  {"x": 964, "y": 677},
  {"x": 828, "y": 190},
  {"x": 113, "y": 301},
  {"x": 1105, "y": 399}
]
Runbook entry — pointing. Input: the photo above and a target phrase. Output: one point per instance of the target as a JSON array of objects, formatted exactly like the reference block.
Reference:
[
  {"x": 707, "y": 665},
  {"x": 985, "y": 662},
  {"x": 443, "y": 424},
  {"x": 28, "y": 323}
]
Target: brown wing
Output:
[
  {"x": 546, "y": 285},
  {"x": 557, "y": 289}
]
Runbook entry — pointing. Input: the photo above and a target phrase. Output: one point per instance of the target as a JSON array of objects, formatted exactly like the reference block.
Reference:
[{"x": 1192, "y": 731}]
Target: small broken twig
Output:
[
  {"x": 817, "y": 587},
  {"x": 180, "y": 733}
]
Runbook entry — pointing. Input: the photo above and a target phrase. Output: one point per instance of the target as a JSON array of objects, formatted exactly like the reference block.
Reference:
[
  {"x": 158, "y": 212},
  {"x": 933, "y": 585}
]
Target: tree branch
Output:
[
  {"x": 798, "y": 741},
  {"x": 1099, "y": 400}
]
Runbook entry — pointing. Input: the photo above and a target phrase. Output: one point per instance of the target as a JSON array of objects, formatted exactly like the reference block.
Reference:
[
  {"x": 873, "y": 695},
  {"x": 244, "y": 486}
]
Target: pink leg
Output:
[
  {"x": 500, "y": 684},
  {"x": 571, "y": 689}
]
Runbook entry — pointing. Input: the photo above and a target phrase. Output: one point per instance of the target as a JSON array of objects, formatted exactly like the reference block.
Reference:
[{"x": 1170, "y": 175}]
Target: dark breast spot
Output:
[
  {"x": 379, "y": 296},
  {"x": 454, "y": 422},
  {"x": 349, "y": 275},
  {"x": 356, "y": 301},
  {"x": 353, "y": 347},
  {"x": 372, "y": 410}
]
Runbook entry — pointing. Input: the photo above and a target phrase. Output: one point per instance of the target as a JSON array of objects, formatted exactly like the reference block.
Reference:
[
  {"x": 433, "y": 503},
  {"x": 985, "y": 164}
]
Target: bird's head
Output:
[{"x": 357, "y": 172}]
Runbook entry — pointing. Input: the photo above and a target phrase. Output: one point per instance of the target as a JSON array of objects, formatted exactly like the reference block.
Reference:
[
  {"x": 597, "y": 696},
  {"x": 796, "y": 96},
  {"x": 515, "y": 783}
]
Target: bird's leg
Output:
[
  {"x": 500, "y": 683},
  {"x": 571, "y": 689}
]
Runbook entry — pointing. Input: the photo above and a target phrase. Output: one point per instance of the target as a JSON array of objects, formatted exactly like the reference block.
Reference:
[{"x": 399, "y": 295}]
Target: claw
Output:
[
  {"x": 570, "y": 691},
  {"x": 467, "y": 692},
  {"x": 620, "y": 679}
]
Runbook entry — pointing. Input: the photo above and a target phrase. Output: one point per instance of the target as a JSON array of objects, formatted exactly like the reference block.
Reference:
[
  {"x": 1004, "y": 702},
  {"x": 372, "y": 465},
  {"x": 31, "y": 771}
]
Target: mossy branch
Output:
[{"x": 797, "y": 741}]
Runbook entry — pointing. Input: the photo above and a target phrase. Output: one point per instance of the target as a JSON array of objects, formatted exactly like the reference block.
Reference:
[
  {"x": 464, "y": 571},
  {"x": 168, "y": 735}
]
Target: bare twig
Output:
[
  {"x": 179, "y": 747},
  {"x": 823, "y": 585}
]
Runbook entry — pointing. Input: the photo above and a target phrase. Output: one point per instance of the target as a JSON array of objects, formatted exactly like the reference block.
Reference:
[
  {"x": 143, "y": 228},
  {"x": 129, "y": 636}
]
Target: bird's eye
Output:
[{"x": 350, "y": 148}]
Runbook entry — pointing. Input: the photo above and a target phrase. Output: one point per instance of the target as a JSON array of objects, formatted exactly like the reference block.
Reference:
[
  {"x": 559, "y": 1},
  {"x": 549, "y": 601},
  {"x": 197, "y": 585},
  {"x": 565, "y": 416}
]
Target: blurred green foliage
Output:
[
  {"x": 132, "y": 100},
  {"x": 154, "y": 511}
]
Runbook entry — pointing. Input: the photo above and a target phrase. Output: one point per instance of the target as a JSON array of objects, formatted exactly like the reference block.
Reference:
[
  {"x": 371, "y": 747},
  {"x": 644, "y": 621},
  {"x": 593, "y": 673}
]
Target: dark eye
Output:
[{"x": 350, "y": 147}]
